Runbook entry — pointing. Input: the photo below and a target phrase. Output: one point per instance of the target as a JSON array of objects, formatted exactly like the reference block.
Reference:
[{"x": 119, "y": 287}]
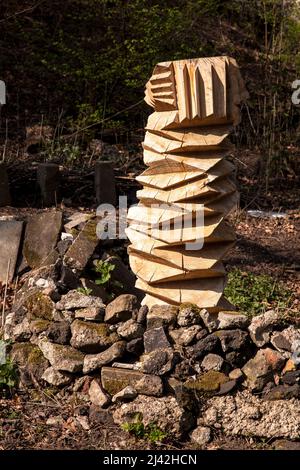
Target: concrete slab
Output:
[
  {"x": 41, "y": 236},
  {"x": 10, "y": 238}
]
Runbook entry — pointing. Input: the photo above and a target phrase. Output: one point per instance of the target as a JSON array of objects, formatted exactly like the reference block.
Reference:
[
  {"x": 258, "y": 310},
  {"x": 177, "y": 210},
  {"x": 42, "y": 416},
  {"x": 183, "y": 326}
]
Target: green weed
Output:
[{"x": 254, "y": 294}]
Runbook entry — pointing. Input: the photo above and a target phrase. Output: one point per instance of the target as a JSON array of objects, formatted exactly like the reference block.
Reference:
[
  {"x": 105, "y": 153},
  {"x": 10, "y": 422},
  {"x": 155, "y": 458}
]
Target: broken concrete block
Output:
[
  {"x": 76, "y": 219},
  {"x": 41, "y": 235},
  {"x": 10, "y": 237},
  {"x": 83, "y": 247}
]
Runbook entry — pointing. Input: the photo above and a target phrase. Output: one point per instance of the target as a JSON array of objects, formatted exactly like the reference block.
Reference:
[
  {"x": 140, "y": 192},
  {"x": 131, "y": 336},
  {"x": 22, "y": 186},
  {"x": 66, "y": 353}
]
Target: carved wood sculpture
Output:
[{"x": 196, "y": 104}]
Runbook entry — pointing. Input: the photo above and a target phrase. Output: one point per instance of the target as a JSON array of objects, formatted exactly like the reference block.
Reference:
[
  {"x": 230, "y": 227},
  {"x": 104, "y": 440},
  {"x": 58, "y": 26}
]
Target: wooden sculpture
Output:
[{"x": 196, "y": 104}]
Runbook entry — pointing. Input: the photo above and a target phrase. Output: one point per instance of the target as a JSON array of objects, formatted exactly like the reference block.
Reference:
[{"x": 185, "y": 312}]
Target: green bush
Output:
[{"x": 254, "y": 294}]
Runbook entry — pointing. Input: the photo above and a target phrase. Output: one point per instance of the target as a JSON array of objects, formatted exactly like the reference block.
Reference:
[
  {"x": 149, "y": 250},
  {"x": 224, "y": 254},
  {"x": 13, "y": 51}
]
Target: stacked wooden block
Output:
[{"x": 196, "y": 104}]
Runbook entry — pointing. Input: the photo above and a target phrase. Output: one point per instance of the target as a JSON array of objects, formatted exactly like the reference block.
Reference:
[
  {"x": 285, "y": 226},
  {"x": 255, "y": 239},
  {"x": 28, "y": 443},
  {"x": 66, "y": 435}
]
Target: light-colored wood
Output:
[{"x": 196, "y": 104}]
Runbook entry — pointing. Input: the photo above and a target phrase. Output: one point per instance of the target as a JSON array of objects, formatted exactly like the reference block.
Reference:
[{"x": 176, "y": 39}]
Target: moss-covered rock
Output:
[
  {"x": 62, "y": 358},
  {"x": 207, "y": 383},
  {"x": 83, "y": 247},
  {"x": 39, "y": 325},
  {"x": 114, "y": 380},
  {"x": 92, "y": 337},
  {"x": 188, "y": 315},
  {"x": 30, "y": 361},
  {"x": 39, "y": 306}
]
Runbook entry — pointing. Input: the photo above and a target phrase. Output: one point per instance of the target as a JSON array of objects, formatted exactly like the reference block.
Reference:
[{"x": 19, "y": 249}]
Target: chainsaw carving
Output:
[{"x": 196, "y": 104}]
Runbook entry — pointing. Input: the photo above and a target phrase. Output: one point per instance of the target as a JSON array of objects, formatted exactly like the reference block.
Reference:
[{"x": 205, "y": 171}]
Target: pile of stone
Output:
[{"x": 171, "y": 365}]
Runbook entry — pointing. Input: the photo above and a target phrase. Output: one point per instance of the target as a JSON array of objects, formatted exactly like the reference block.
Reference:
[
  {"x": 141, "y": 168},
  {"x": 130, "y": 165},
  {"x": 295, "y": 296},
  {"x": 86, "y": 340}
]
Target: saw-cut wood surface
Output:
[{"x": 178, "y": 231}]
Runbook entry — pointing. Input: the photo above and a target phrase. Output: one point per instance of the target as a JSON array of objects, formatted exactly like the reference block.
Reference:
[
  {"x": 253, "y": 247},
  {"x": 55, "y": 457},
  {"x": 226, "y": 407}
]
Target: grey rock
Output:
[
  {"x": 227, "y": 387},
  {"x": 201, "y": 334},
  {"x": 38, "y": 326},
  {"x": 83, "y": 247},
  {"x": 258, "y": 371},
  {"x": 165, "y": 412},
  {"x": 91, "y": 314},
  {"x": 210, "y": 343},
  {"x": 82, "y": 384},
  {"x": 121, "y": 308},
  {"x": 76, "y": 219},
  {"x": 128, "y": 393},
  {"x": 210, "y": 320},
  {"x": 22, "y": 331},
  {"x": 185, "y": 397},
  {"x": 232, "y": 340},
  {"x": 158, "y": 362},
  {"x": 183, "y": 370},
  {"x": 96, "y": 361},
  {"x": 45, "y": 226},
  {"x": 236, "y": 374},
  {"x": 237, "y": 359},
  {"x": 98, "y": 396},
  {"x": 262, "y": 326},
  {"x": 284, "y": 340},
  {"x": 247, "y": 415},
  {"x": 155, "y": 338},
  {"x": 201, "y": 436},
  {"x": 76, "y": 300},
  {"x": 91, "y": 337},
  {"x": 292, "y": 377},
  {"x": 142, "y": 315},
  {"x": 185, "y": 335},
  {"x": 114, "y": 380},
  {"x": 62, "y": 358},
  {"x": 56, "y": 378},
  {"x": 59, "y": 332},
  {"x": 188, "y": 315},
  {"x": 38, "y": 305},
  {"x": 212, "y": 362},
  {"x": 283, "y": 392},
  {"x": 65, "y": 315},
  {"x": 161, "y": 315},
  {"x": 123, "y": 365},
  {"x": 135, "y": 347},
  {"x": 231, "y": 320},
  {"x": 130, "y": 330},
  {"x": 150, "y": 385},
  {"x": 10, "y": 237},
  {"x": 30, "y": 361},
  {"x": 63, "y": 246}
]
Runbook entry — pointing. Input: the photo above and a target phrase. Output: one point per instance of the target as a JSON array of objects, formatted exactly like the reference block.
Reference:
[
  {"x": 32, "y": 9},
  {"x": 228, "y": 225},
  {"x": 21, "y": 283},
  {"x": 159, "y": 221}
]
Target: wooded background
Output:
[{"x": 74, "y": 63}]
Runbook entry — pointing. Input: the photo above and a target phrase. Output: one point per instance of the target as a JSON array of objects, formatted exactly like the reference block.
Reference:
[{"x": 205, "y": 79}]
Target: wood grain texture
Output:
[{"x": 188, "y": 188}]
